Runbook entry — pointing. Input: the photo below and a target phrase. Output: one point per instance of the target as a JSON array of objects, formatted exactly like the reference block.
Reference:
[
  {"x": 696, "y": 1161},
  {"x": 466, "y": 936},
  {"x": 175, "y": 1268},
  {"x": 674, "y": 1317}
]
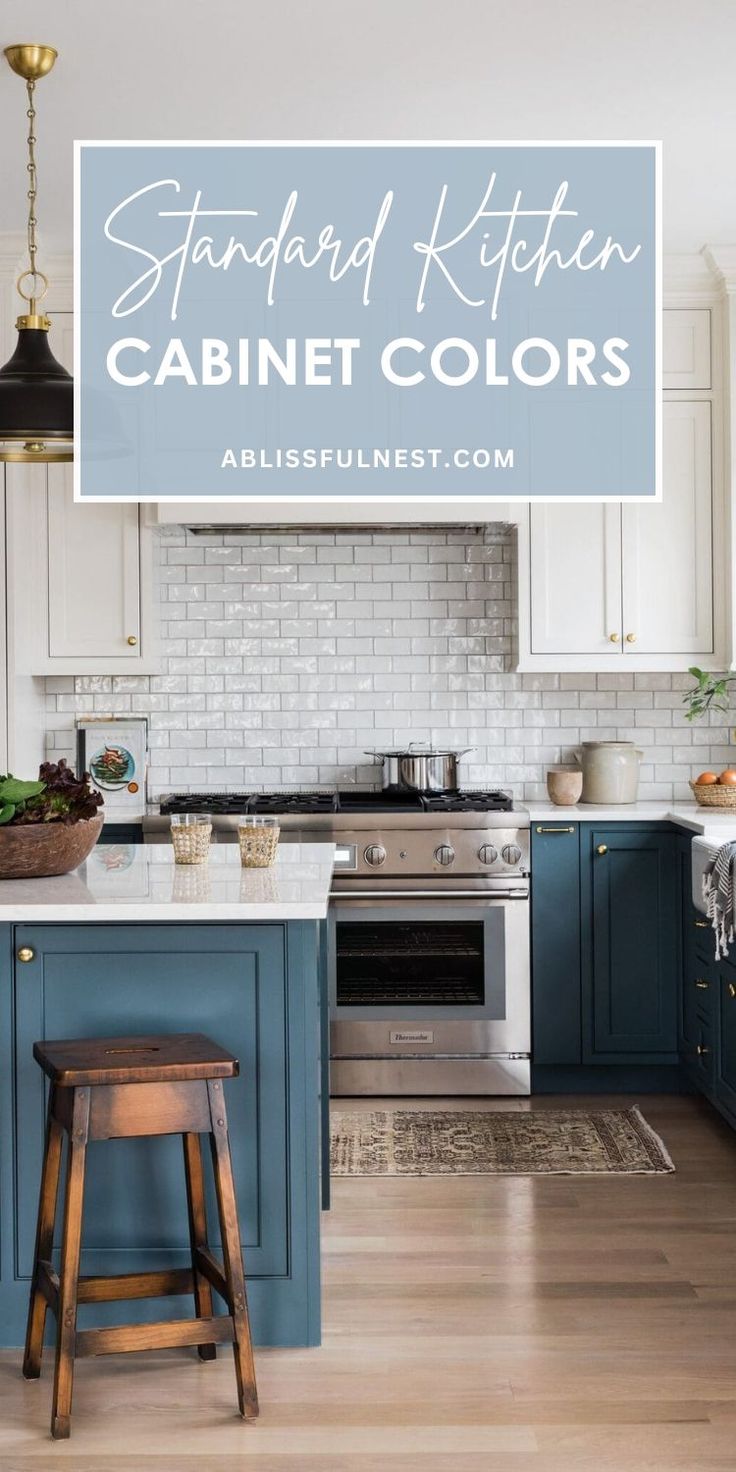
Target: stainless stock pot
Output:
[{"x": 420, "y": 768}]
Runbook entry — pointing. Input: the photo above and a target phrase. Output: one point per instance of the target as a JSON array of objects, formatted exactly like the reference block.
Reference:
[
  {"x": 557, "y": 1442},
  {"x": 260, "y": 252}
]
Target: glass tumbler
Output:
[
  {"x": 259, "y": 840},
  {"x": 190, "y": 836}
]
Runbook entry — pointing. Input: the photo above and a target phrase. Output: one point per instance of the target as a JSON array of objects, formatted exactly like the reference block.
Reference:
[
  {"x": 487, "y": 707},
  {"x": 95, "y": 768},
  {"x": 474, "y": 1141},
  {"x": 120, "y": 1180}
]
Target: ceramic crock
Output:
[{"x": 610, "y": 771}]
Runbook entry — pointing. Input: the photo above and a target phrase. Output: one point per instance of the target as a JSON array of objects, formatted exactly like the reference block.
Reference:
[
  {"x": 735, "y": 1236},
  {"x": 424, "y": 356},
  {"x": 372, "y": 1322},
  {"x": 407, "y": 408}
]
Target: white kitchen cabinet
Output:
[
  {"x": 632, "y": 585},
  {"x": 641, "y": 586},
  {"x": 80, "y": 579},
  {"x": 80, "y": 575},
  {"x": 686, "y": 349},
  {"x": 575, "y": 601},
  {"x": 94, "y": 576},
  {"x": 667, "y": 563}
]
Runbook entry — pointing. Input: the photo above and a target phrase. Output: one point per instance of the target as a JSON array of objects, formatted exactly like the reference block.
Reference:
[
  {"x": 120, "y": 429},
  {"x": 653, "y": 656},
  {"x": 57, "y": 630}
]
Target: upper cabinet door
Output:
[
  {"x": 686, "y": 349},
  {"x": 93, "y": 575},
  {"x": 667, "y": 548},
  {"x": 575, "y": 579}
]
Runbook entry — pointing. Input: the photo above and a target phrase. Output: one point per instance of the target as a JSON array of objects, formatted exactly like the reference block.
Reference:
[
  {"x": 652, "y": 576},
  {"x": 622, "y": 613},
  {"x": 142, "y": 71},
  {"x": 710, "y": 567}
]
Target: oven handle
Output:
[{"x": 447, "y": 896}]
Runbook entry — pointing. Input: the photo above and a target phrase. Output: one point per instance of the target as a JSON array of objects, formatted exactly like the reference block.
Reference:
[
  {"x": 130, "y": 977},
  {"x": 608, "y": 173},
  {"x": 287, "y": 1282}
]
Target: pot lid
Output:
[
  {"x": 417, "y": 750},
  {"x": 615, "y": 745}
]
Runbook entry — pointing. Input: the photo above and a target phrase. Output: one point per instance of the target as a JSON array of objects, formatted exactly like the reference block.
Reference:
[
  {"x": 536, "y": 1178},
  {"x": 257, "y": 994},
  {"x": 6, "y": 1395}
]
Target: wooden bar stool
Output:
[{"x": 109, "y": 1088}]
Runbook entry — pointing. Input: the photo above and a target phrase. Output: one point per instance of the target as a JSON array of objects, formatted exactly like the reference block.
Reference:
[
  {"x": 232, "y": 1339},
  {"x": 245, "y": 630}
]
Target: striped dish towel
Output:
[{"x": 719, "y": 887}]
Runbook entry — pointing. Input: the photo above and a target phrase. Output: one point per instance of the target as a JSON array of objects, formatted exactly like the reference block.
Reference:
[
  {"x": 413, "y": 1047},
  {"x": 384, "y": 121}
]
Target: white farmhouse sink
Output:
[{"x": 704, "y": 852}]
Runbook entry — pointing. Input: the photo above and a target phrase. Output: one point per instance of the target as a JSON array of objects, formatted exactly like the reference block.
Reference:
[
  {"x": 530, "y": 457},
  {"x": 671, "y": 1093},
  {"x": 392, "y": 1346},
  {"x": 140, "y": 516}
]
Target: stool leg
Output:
[
  {"x": 44, "y": 1243},
  {"x": 232, "y": 1252},
  {"x": 198, "y": 1233},
  {"x": 69, "y": 1274}
]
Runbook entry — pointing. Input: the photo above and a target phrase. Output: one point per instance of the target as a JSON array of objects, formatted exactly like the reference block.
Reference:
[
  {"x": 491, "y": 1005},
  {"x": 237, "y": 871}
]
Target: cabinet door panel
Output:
[
  {"x": 226, "y": 981},
  {"x": 725, "y": 1073},
  {"x": 94, "y": 576},
  {"x": 555, "y": 929},
  {"x": 686, "y": 348},
  {"x": 667, "y": 548},
  {"x": 575, "y": 580},
  {"x": 634, "y": 952}
]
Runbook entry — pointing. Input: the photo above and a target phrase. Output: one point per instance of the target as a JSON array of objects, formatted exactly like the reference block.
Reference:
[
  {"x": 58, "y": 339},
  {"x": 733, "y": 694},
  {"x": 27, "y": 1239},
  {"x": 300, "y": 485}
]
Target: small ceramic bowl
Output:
[{"x": 564, "y": 786}]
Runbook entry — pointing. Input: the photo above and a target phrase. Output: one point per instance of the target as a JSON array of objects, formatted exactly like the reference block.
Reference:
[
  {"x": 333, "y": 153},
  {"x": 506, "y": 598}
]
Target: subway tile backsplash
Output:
[{"x": 286, "y": 657}]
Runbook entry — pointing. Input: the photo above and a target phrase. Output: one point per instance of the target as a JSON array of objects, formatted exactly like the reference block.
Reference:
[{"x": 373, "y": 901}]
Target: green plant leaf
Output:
[
  {"x": 13, "y": 790},
  {"x": 7, "y": 812}
]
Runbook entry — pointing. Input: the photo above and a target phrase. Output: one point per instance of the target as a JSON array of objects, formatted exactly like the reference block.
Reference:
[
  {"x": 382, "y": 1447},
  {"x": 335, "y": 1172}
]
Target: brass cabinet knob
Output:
[
  {"x": 613, "y": 638},
  {"x": 132, "y": 639},
  {"x": 631, "y": 638},
  {"x": 701, "y": 924},
  {"x": 731, "y": 990},
  {"x": 602, "y": 848},
  {"x": 26, "y": 953},
  {"x": 703, "y": 985},
  {"x": 702, "y": 1051}
]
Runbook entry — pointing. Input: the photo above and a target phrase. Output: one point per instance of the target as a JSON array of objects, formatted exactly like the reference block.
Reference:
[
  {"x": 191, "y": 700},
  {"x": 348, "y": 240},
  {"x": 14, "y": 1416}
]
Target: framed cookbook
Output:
[{"x": 114, "y": 752}]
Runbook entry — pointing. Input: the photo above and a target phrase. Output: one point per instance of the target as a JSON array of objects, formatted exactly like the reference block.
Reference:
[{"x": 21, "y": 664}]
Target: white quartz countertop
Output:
[
  {"x": 711, "y": 821},
  {"x": 138, "y": 882}
]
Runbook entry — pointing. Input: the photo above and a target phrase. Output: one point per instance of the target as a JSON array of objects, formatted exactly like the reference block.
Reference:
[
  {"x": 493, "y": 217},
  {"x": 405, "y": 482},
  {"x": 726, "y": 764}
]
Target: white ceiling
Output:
[{"x": 388, "y": 69}]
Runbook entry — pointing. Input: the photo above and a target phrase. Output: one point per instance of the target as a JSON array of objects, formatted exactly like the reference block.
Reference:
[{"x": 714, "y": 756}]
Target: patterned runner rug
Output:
[{"x": 418, "y": 1142}]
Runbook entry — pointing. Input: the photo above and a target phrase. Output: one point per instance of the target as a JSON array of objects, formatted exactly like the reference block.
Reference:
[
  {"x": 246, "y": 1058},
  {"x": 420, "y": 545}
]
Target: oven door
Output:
[{"x": 434, "y": 977}]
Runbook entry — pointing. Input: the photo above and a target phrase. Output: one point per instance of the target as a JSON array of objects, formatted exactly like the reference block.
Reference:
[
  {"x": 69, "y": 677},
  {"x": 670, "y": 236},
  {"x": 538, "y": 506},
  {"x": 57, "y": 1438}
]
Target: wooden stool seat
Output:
[
  {"x": 180, "y": 1056},
  {"x": 112, "y": 1088}
]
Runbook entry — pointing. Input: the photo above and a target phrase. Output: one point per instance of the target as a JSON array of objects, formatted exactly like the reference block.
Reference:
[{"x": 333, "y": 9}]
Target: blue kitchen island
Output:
[{"x": 131, "y": 943}]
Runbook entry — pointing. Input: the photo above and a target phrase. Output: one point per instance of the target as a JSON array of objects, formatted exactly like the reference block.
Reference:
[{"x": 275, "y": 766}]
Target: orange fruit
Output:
[
  {"x": 705, "y": 779},
  {"x": 728, "y": 778}
]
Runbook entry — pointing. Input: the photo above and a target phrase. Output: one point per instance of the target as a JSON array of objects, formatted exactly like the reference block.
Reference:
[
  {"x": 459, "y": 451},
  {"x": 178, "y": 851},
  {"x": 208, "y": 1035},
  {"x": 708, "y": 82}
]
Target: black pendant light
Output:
[{"x": 36, "y": 393}]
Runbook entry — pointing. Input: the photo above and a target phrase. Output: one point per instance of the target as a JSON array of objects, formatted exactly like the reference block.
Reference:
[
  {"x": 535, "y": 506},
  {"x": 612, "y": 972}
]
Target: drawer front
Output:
[
  {"x": 702, "y": 984},
  {"x": 703, "y": 1057},
  {"x": 702, "y": 938}
]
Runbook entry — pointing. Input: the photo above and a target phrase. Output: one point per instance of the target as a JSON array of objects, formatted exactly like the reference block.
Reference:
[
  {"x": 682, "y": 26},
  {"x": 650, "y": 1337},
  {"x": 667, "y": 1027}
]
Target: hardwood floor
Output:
[{"x": 472, "y": 1324}]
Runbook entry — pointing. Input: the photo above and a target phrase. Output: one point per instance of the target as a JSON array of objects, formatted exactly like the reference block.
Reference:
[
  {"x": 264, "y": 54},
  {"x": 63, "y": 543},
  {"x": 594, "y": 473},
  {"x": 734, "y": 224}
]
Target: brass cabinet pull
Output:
[
  {"x": 569, "y": 829},
  {"x": 702, "y": 1051},
  {"x": 703, "y": 985},
  {"x": 602, "y": 848},
  {"x": 613, "y": 638},
  {"x": 701, "y": 924},
  {"x": 132, "y": 639},
  {"x": 631, "y": 638},
  {"x": 26, "y": 953},
  {"x": 731, "y": 990}
]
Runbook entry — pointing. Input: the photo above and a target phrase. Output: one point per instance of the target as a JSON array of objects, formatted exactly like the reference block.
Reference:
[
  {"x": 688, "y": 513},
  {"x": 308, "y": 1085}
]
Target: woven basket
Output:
[{"x": 714, "y": 794}]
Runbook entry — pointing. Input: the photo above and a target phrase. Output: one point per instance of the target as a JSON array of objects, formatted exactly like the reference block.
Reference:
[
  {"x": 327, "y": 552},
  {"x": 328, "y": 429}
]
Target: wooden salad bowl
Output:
[{"x": 38, "y": 850}]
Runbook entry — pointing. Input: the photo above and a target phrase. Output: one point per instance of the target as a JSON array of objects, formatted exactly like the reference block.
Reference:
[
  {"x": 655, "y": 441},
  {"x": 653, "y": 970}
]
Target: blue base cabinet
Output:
[
  {"x": 606, "y": 956},
  {"x": 255, "y": 989},
  {"x": 630, "y": 962},
  {"x": 708, "y": 1011}
]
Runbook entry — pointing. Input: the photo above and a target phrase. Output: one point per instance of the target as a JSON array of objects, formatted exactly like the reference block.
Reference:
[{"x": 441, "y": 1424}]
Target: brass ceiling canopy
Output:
[{"x": 36, "y": 393}]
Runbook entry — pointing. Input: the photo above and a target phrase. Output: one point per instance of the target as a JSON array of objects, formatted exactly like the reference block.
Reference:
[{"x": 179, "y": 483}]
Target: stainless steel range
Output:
[{"x": 428, "y": 933}]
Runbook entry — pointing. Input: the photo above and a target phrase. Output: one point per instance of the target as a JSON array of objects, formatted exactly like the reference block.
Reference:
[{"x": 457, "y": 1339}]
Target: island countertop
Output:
[{"x": 141, "y": 882}]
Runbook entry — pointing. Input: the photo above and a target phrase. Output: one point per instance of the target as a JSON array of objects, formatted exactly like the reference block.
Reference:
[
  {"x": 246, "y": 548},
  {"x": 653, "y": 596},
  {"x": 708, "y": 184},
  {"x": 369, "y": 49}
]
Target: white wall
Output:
[{"x": 512, "y": 69}]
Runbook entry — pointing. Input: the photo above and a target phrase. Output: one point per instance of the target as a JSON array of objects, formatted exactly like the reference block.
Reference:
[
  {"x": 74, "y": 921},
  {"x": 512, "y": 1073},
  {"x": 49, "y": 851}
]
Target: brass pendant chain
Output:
[{"x": 32, "y": 189}]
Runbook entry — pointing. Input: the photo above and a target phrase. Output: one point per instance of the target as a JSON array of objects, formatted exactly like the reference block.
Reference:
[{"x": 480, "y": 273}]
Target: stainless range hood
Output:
[
  {"x": 474, "y": 529},
  {"x": 344, "y": 516}
]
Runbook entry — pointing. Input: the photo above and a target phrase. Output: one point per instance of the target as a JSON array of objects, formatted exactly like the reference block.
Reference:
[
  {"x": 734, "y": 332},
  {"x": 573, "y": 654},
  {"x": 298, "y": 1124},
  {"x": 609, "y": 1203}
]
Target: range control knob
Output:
[
  {"x": 511, "y": 853},
  {"x": 375, "y": 854},
  {"x": 487, "y": 853},
  {"x": 444, "y": 854}
]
